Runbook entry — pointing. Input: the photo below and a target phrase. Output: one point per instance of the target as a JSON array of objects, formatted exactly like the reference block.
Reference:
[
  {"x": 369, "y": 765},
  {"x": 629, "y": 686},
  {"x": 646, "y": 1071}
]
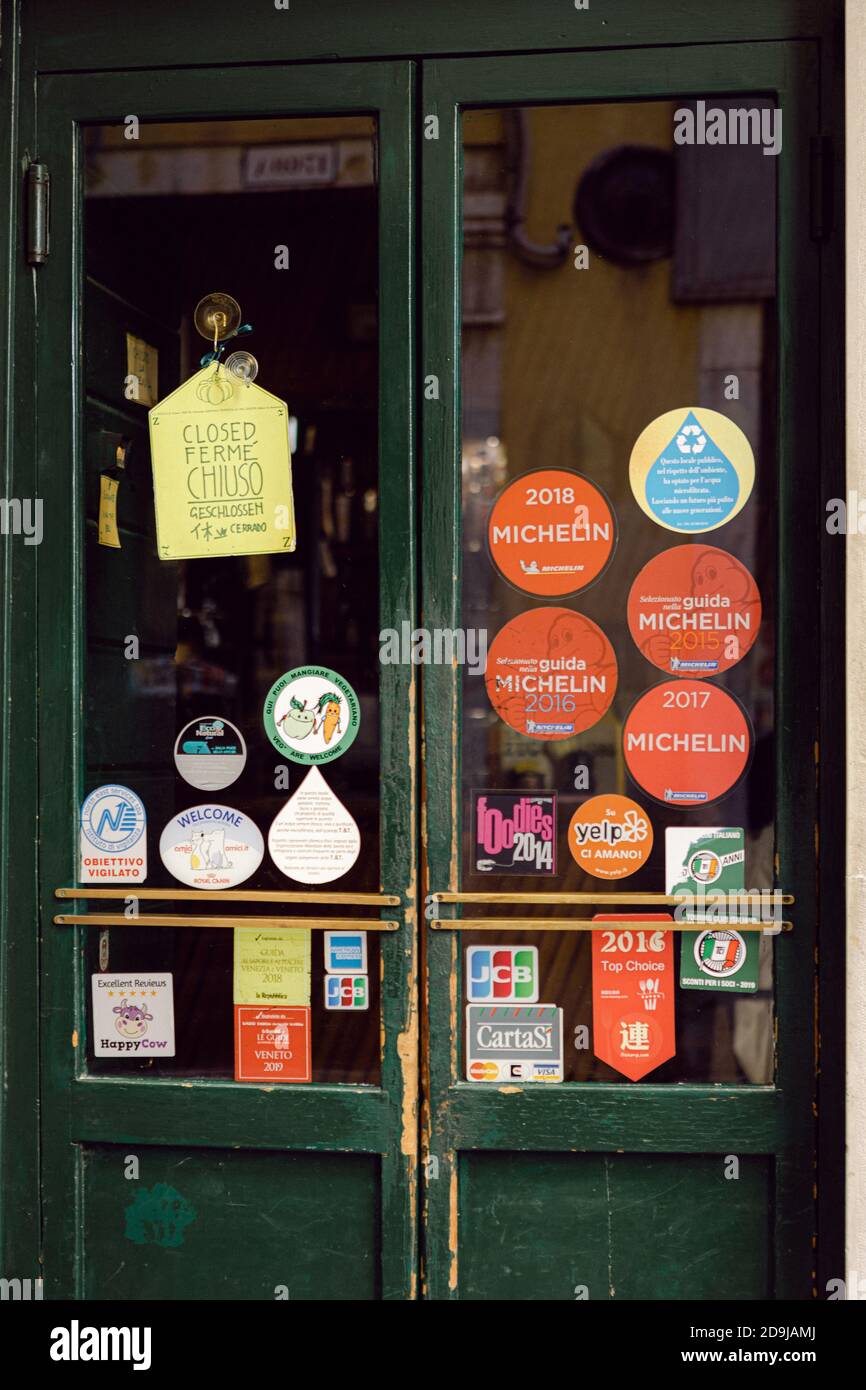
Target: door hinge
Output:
[
  {"x": 38, "y": 214},
  {"x": 821, "y": 193}
]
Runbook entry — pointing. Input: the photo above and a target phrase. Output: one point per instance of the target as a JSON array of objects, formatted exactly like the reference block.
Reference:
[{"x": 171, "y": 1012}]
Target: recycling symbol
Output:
[{"x": 691, "y": 440}]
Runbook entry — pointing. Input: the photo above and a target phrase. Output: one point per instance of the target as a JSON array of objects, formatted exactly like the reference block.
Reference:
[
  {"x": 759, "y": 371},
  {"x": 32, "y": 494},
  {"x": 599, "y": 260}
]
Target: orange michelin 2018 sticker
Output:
[
  {"x": 551, "y": 673},
  {"x": 686, "y": 742},
  {"x": 610, "y": 836},
  {"x": 694, "y": 610},
  {"x": 551, "y": 532}
]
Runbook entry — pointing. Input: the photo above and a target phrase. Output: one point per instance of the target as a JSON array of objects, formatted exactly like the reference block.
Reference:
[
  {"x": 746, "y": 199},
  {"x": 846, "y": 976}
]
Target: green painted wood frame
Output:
[
  {"x": 77, "y": 1109},
  {"x": 778, "y": 1120}
]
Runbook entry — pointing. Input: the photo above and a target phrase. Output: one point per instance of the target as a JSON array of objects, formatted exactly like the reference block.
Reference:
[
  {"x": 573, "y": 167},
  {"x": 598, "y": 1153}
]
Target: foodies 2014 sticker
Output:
[{"x": 514, "y": 832}]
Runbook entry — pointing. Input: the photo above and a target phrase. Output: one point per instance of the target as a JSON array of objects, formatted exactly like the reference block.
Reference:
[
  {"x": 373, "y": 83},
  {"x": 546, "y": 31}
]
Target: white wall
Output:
[{"x": 855, "y": 193}]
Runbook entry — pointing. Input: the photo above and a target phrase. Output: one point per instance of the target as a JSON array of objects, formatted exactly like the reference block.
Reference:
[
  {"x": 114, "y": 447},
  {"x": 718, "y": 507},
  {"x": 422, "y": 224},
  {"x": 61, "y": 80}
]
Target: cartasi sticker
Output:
[
  {"x": 508, "y": 1042},
  {"x": 311, "y": 714},
  {"x": 694, "y": 610},
  {"x": 692, "y": 469},
  {"x": 551, "y": 673},
  {"x": 551, "y": 532},
  {"x": 686, "y": 743},
  {"x": 113, "y": 837},
  {"x": 211, "y": 846},
  {"x": 610, "y": 836}
]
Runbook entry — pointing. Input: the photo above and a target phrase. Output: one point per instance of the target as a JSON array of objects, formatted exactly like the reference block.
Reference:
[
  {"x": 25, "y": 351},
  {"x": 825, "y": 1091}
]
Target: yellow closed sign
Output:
[{"x": 222, "y": 471}]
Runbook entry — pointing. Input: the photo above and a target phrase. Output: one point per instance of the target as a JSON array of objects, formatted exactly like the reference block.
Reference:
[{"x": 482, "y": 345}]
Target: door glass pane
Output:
[
  {"x": 261, "y": 210},
  {"x": 610, "y": 276}
]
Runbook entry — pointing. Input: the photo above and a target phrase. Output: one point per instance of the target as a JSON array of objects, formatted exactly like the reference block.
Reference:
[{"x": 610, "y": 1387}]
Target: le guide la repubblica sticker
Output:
[
  {"x": 211, "y": 846},
  {"x": 112, "y": 837},
  {"x": 210, "y": 753},
  {"x": 311, "y": 714}
]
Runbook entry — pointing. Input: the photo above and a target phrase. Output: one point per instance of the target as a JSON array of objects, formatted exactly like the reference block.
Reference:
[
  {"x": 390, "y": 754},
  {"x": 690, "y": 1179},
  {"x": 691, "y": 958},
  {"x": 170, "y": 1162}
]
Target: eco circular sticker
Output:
[
  {"x": 210, "y": 753},
  {"x": 692, "y": 469},
  {"x": 610, "y": 836},
  {"x": 551, "y": 673},
  {"x": 312, "y": 714},
  {"x": 551, "y": 532},
  {"x": 211, "y": 846},
  {"x": 687, "y": 742},
  {"x": 719, "y": 953},
  {"x": 694, "y": 610}
]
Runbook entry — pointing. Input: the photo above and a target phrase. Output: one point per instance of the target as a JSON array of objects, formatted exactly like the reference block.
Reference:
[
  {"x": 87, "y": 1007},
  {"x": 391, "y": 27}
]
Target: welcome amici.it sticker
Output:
[{"x": 211, "y": 846}]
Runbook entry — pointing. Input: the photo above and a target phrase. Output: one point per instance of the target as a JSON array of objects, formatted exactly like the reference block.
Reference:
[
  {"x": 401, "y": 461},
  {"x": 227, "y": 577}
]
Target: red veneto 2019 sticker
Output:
[
  {"x": 551, "y": 673},
  {"x": 694, "y": 610},
  {"x": 687, "y": 743}
]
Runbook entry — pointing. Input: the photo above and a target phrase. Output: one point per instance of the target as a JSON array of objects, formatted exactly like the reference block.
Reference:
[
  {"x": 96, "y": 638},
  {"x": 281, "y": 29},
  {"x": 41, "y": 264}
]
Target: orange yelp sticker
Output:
[
  {"x": 551, "y": 673},
  {"x": 551, "y": 532},
  {"x": 610, "y": 836},
  {"x": 687, "y": 743},
  {"x": 694, "y": 610}
]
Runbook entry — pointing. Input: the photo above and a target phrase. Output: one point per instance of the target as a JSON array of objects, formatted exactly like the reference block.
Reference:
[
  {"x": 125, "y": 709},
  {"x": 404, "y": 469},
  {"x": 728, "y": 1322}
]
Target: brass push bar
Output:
[
  {"x": 607, "y": 899},
  {"x": 168, "y": 919},
  {"x": 242, "y": 895},
  {"x": 592, "y": 924}
]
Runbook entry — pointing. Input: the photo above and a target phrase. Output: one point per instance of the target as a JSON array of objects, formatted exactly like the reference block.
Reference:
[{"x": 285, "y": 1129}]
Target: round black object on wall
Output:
[{"x": 624, "y": 204}]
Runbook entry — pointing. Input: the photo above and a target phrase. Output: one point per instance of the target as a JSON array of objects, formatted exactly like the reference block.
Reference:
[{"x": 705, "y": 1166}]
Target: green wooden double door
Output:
[{"x": 394, "y": 232}]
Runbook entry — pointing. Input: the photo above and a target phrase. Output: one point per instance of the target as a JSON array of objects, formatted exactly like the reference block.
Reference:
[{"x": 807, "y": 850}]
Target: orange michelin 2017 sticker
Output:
[
  {"x": 551, "y": 673},
  {"x": 686, "y": 742},
  {"x": 694, "y": 610},
  {"x": 610, "y": 836},
  {"x": 551, "y": 532}
]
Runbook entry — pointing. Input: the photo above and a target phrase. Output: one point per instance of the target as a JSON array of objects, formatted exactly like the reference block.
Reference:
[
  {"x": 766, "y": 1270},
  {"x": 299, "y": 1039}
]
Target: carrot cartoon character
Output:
[{"x": 328, "y": 706}]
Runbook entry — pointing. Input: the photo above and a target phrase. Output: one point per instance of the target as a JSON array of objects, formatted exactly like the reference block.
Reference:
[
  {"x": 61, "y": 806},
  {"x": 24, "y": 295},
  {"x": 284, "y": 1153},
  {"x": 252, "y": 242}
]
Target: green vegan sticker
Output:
[{"x": 311, "y": 714}]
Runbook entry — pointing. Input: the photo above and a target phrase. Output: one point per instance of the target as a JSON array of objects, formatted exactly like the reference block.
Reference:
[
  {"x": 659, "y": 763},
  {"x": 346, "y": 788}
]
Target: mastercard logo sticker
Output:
[
  {"x": 687, "y": 743},
  {"x": 610, "y": 836},
  {"x": 483, "y": 1071},
  {"x": 551, "y": 673},
  {"x": 551, "y": 532},
  {"x": 694, "y": 610}
]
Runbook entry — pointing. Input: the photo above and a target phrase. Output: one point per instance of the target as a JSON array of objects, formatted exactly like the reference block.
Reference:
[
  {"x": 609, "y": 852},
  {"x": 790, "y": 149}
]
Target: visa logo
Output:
[
  {"x": 346, "y": 992},
  {"x": 504, "y": 974}
]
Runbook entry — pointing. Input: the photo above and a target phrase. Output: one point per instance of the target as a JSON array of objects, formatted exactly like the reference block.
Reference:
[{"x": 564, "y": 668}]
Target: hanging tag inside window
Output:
[{"x": 107, "y": 531}]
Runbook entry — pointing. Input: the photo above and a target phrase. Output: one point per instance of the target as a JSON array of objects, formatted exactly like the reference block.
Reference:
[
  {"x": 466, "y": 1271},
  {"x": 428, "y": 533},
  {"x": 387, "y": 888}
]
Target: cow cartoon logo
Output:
[{"x": 132, "y": 1019}]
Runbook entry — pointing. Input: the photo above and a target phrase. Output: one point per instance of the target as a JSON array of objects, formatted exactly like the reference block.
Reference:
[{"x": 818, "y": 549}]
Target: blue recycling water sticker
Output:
[{"x": 692, "y": 485}]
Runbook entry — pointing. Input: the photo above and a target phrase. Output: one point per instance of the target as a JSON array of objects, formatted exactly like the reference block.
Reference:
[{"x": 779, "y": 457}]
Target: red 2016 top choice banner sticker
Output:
[
  {"x": 551, "y": 673},
  {"x": 551, "y": 532},
  {"x": 633, "y": 1018},
  {"x": 687, "y": 743},
  {"x": 694, "y": 610}
]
